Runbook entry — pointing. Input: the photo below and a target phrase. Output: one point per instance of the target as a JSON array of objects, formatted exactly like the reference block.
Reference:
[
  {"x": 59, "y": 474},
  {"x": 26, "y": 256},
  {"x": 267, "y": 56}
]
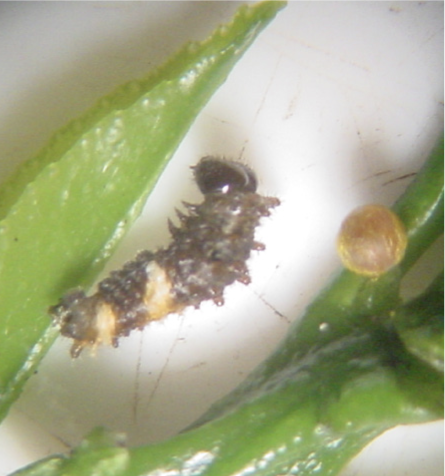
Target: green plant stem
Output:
[
  {"x": 420, "y": 325},
  {"x": 422, "y": 207},
  {"x": 316, "y": 417}
]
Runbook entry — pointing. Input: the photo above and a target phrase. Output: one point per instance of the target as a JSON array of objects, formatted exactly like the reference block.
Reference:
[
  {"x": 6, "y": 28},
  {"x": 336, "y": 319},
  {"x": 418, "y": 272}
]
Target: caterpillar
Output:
[{"x": 208, "y": 252}]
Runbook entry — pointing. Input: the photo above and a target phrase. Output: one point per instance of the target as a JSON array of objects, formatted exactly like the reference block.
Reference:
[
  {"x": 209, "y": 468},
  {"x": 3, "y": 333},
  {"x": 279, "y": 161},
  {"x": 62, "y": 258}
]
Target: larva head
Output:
[
  {"x": 372, "y": 240},
  {"x": 75, "y": 314},
  {"x": 223, "y": 176}
]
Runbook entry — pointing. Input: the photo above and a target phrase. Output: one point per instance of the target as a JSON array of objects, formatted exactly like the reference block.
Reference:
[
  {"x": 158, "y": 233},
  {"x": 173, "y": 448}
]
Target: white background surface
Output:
[{"x": 332, "y": 104}]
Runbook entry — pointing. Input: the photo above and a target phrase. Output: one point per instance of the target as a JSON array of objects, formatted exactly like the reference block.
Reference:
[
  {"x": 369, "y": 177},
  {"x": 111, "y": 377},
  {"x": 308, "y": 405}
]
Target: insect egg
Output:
[{"x": 372, "y": 240}]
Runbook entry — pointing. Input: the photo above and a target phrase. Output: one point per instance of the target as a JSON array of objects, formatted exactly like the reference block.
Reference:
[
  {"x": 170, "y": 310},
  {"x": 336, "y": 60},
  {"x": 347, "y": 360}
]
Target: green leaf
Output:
[{"x": 64, "y": 212}]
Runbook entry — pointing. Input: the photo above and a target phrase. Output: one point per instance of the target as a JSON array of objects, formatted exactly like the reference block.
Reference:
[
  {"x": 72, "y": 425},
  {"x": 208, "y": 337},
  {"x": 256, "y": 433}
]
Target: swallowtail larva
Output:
[{"x": 208, "y": 252}]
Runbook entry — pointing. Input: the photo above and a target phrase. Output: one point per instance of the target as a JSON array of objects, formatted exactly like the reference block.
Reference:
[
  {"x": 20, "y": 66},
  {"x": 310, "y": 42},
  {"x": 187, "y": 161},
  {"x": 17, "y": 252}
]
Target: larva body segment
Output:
[{"x": 208, "y": 252}]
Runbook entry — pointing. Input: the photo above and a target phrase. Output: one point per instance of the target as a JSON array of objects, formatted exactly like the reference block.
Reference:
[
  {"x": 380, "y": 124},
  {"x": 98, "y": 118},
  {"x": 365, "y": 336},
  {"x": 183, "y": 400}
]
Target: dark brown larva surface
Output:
[{"x": 208, "y": 252}]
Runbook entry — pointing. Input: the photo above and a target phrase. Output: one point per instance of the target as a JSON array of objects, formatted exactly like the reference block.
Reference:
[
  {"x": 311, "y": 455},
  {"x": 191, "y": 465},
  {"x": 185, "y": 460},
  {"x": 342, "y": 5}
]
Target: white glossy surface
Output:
[{"x": 332, "y": 105}]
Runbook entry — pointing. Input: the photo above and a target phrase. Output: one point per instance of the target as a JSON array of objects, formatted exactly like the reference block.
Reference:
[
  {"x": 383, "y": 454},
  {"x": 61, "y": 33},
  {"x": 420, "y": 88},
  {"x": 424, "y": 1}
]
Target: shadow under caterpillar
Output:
[{"x": 208, "y": 252}]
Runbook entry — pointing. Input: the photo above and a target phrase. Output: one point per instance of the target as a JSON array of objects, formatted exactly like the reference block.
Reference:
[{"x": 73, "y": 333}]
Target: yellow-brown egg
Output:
[{"x": 372, "y": 240}]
